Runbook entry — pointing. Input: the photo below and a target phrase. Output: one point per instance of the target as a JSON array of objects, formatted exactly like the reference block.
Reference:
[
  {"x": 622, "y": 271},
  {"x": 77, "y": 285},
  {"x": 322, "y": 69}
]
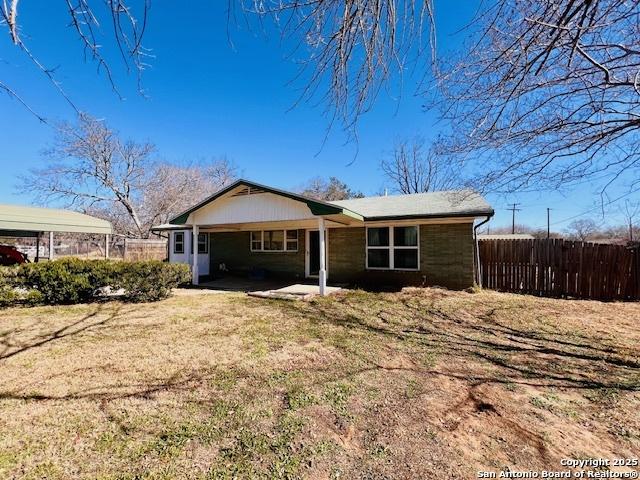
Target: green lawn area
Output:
[{"x": 424, "y": 383}]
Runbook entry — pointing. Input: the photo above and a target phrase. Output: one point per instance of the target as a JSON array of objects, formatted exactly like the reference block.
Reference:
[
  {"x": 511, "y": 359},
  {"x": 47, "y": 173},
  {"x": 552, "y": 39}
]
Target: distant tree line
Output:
[{"x": 584, "y": 230}]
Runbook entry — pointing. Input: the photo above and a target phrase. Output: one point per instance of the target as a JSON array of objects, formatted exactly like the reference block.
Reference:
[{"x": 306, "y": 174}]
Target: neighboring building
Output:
[{"x": 424, "y": 238}]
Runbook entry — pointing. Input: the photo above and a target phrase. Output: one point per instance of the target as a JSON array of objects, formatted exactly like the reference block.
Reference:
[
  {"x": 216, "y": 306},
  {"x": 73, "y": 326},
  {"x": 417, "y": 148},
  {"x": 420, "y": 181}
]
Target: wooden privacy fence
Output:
[
  {"x": 561, "y": 268},
  {"x": 144, "y": 249}
]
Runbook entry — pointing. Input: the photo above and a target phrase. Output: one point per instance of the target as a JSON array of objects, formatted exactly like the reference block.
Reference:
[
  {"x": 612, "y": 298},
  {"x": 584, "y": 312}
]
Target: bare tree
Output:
[
  {"x": 327, "y": 190},
  {"x": 170, "y": 187},
  {"x": 582, "y": 229},
  {"x": 630, "y": 211},
  {"x": 413, "y": 167},
  {"x": 89, "y": 164},
  {"x": 548, "y": 91},
  {"x": 92, "y": 169}
]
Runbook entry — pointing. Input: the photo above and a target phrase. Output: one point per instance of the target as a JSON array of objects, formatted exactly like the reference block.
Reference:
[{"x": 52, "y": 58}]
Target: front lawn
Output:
[{"x": 419, "y": 384}]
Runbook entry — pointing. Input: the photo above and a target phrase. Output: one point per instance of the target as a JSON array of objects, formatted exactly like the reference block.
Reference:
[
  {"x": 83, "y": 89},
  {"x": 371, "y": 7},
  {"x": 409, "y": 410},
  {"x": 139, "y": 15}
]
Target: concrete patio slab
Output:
[{"x": 296, "y": 291}]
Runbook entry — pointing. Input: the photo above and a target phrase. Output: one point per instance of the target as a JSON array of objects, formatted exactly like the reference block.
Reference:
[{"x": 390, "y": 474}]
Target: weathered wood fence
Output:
[
  {"x": 561, "y": 268},
  {"x": 144, "y": 249}
]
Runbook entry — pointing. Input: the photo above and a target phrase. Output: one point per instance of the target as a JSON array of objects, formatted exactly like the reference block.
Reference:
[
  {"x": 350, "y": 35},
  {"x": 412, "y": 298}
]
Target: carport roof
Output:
[{"x": 18, "y": 218}]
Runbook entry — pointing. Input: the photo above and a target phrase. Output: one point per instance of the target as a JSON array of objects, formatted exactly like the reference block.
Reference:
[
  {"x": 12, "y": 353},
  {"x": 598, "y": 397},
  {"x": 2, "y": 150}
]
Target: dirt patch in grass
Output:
[{"x": 425, "y": 383}]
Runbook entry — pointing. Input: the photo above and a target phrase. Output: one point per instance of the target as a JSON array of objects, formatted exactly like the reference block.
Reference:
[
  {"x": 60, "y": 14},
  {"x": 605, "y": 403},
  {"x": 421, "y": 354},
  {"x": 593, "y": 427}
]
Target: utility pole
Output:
[
  {"x": 548, "y": 224},
  {"x": 513, "y": 217}
]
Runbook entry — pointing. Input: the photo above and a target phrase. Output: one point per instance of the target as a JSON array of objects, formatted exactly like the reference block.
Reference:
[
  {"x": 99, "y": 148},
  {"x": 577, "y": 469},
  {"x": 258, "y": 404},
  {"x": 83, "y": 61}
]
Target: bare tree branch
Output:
[
  {"x": 128, "y": 31},
  {"x": 353, "y": 48},
  {"x": 413, "y": 167},
  {"x": 548, "y": 94}
]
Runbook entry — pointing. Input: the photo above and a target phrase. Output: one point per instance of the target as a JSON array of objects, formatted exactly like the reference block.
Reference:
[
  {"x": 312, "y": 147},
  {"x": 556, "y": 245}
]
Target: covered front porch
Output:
[
  {"x": 258, "y": 231},
  {"x": 298, "y": 247}
]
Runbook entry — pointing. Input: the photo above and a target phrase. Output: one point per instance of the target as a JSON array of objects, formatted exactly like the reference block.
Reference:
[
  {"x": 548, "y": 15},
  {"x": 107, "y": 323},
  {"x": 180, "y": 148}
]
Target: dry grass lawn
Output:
[{"x": 417, "y": 384}]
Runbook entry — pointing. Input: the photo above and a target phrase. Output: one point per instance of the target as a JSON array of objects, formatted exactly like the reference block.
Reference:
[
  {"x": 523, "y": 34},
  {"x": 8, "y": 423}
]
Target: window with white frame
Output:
[
  {"x": 203, "y": 243},
  {"x": 178, "y": 242},
  {"x": 274, "y": 241},
  {"x": 392, "y": 248}
]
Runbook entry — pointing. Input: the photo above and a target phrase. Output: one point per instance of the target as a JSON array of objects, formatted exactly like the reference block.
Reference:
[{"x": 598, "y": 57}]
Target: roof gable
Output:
[{"x": 316, "y": 207}]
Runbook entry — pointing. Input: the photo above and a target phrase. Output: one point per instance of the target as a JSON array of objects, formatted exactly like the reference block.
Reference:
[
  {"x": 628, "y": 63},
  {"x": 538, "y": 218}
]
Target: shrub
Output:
[
  {"x": 13, "y": 291},
  {"x": 73, "y": 280},
  {"x": 8, "y": 294},
  {"x": 63, "y": 281},
  {"x": 151, "y": 280}
]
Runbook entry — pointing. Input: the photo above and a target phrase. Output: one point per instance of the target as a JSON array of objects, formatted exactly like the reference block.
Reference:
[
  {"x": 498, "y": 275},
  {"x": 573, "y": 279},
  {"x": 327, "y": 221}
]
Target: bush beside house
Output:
[{"x": 73, "y": 280}]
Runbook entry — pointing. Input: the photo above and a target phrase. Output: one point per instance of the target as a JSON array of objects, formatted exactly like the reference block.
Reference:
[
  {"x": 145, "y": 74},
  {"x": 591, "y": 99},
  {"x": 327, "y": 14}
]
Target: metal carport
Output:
[{"x": 26, "y": 221}]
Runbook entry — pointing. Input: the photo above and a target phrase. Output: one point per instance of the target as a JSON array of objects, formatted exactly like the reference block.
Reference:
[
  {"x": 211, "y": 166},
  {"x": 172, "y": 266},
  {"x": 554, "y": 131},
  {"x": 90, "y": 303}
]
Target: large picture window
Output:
[
  {"x": 392, "y": 248},
  {"x": 274, "y": 241}
]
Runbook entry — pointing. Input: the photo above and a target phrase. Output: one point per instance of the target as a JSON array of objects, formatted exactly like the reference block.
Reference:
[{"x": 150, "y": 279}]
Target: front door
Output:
[{"x": 314, "y": 253}]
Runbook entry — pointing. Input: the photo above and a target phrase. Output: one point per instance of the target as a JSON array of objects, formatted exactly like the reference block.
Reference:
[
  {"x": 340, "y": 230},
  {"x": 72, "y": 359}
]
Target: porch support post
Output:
[
  {"x": 322, "y": 273},
  {"x": 38, "y": 247},
  {"x": 194, "y": 255},
  {"x": 50, "y": 245}
]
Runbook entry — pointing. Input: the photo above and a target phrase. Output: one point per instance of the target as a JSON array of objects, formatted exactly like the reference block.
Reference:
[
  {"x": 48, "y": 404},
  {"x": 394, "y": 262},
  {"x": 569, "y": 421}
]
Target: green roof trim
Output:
[{"x": 317, "y": 207}]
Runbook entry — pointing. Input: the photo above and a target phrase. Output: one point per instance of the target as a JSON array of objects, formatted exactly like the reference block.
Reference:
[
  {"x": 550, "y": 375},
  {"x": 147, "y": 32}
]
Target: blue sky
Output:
[{"x": 206, "y": 98}]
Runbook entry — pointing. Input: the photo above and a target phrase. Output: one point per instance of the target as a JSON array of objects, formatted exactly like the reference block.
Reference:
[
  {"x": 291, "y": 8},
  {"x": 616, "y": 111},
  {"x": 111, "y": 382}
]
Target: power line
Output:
[
  {"x": 513, "y": 216},
  {"x": 594, "y": 208}
]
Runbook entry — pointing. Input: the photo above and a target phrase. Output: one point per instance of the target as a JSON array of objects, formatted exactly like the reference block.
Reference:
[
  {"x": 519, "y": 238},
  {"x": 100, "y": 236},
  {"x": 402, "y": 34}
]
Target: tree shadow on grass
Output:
[
  {"x": 90, "y": 321},
  {"x": 515, "y": 355}
]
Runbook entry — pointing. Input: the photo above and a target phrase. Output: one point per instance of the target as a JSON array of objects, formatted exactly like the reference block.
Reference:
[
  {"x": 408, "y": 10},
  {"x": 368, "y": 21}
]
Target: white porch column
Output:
[
  {"x": 194, "y": 256},
  {"x": 50, "y": 245},
  {"x": 322, "y": 273},
  {"x": 106, "y": 246}
]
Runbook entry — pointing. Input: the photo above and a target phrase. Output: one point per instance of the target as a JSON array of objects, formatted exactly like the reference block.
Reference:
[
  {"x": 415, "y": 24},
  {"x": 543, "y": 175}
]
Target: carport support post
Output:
[
  {"x": 106, "y": 246},
  {"x": 50, "y": 245},
  {"x": 194, "y": 256},
  {"x": 322, "y": 273}
]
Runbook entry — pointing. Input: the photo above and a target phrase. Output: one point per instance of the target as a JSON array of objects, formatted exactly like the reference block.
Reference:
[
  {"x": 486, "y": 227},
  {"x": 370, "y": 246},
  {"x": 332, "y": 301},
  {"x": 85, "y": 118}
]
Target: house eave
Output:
[{"x": 470, "y": 215}]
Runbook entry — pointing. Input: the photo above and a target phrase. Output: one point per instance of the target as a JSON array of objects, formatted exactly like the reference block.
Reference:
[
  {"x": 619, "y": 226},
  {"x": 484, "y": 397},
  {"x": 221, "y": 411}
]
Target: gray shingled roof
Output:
[{"x": 431, "y": 204}]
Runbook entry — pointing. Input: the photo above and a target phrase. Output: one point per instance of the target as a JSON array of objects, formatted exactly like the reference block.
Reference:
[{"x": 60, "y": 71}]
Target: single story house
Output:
[{"x": 424, "y": 238}]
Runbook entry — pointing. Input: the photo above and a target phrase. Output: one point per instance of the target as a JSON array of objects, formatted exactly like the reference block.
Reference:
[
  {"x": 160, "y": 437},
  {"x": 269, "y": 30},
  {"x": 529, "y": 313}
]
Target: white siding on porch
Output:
[
  {"x": 203, "y": 258},
  {"x": 260, "y": 207}
]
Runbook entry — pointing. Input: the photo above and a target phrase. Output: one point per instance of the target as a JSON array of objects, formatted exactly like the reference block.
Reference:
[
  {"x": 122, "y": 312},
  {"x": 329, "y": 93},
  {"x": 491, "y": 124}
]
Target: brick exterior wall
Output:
[
  {"x": 446, "y": 254},
  {"x": 446, "y": 257},
  {"x": 233, "y": 249}
]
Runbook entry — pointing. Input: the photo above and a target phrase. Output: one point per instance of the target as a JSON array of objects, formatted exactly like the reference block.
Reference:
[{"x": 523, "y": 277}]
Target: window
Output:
[
  {"x": 392, "y": 248},
  {"x": 178, "y": 242},
  {"x": 292, "y": 240},
  {"x": 274, "y": 241},
  {"x": 378, "y": 248},
  {"x": 256, "y": 241},
  {"x": 203, "y": 243}
]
